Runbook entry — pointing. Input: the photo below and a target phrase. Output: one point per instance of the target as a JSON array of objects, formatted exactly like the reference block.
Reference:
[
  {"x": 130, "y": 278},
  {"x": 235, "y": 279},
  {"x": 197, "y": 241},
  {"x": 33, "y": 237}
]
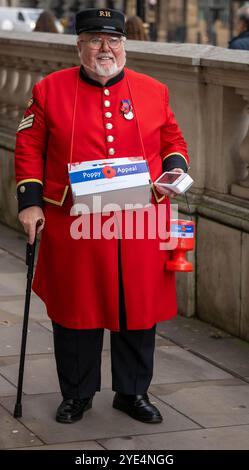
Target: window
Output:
[{"x": 20, "y": 16}]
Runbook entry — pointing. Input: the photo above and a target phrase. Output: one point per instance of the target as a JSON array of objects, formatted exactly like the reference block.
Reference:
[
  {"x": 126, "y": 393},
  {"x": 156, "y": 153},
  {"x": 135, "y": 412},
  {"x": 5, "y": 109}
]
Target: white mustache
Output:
[{"x": 105, "y": 56}]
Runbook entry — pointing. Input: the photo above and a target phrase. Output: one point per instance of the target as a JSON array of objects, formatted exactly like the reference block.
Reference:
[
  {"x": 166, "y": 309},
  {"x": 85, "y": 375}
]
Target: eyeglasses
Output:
[{"x": 96, "y": 43}]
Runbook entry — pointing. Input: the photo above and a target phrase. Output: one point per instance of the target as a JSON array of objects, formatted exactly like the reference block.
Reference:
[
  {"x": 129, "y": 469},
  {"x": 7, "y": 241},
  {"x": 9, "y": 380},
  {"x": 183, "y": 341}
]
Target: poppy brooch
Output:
[{"x": 126, "y": 109}]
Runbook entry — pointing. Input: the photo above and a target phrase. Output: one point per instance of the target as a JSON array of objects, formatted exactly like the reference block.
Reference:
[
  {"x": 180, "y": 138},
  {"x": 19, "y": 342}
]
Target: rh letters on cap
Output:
[{"x": 104, "y": 13}]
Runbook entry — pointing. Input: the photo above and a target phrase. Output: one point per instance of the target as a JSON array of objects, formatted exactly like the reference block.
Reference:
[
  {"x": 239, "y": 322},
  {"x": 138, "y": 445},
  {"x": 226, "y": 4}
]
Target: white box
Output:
[
  {"x": 177, "y": 182},
  {"x": 115, "y": 182}
]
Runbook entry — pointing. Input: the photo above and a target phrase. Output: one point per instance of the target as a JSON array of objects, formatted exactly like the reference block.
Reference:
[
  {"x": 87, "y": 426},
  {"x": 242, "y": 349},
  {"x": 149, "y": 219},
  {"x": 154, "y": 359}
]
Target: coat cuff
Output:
[
  {"x": 29, "y": 193},
  {"x": 175, "y": 161}
]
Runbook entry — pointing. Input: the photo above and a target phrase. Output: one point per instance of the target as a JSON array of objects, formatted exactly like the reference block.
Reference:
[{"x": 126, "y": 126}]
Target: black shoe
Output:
[
  {"x": 72, "y": 410},
  {"x": 138, "y": 407}
]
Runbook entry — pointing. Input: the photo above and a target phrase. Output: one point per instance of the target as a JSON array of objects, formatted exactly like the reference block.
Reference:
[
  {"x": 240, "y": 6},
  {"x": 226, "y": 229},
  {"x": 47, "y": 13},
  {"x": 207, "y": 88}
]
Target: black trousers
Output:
[{"x": 78, "y": 357}]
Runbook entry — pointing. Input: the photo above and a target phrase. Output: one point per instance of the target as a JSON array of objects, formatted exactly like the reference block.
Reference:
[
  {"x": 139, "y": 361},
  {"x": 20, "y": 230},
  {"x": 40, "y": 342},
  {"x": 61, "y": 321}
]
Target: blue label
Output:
[
  {"x": 107, "y": 172},
  {"x": 182, "y": 228}
]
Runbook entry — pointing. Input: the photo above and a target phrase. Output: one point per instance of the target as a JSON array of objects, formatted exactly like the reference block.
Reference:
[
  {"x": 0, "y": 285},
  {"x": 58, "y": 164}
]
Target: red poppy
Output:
[
  {"x": 125, "y": 107},
  {"x": 109, "y": 172}
]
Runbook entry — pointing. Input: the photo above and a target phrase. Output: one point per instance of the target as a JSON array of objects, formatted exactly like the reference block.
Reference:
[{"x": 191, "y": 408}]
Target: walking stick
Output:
[{"x": 30, "y": 257}]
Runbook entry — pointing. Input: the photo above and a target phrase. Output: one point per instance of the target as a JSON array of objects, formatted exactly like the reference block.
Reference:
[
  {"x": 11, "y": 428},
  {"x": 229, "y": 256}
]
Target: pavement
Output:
[{"x": 200, "y": 383}]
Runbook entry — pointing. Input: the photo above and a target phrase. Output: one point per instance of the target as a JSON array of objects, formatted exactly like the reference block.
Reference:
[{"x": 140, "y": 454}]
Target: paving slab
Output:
[
  {"x": 16, "y": 307},
  {"x": 225, "y": 438},
  {"x": 173, "y": 364},
  {"x": 211, "y": 405},
  {"x": 13, "y": 278},
  {"x": 83, "y": 445},
  {"x": 7, "y": 291},
  {"x": 213, "y": 343},
  {"x": 106, "y": 373},
  {"x": 160, "y": 341},
  {"x": 13, "y": 434},
  {"x": 13, "y": 241},
  {"x": 40, "y": 375},
  {"x": 161, "y": 389},
  {"x": 102, "y": 421},
  {"x": 10, "y": 264},
  {"x": 6, "y": 389},
  {"x": 8, "y": 319},
  {"x": 38, "y": 340},
  {"x": 12, "y": 284},
  {"x": 46, "y": 324}
]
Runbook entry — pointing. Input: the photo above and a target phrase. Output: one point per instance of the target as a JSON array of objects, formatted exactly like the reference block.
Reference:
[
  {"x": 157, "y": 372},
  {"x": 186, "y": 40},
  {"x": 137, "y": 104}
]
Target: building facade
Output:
[{"x": 189, "y": 21}]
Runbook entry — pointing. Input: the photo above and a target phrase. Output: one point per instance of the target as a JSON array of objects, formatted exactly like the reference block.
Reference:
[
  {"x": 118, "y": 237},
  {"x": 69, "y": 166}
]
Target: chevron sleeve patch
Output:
[{"x": 26, "y": 122}]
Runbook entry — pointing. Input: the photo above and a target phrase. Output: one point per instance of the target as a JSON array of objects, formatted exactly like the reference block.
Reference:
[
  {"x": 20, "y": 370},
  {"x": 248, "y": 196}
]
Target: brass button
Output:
[
  {"x": 111, "y": 151},
  {"x": 22, "y": 189},
  {"x": 107, "y": 103},
  {"x": 110, "y": 138}
]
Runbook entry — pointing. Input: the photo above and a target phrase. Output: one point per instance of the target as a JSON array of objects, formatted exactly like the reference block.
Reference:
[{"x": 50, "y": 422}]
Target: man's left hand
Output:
[{"x": 166, "y": 191}]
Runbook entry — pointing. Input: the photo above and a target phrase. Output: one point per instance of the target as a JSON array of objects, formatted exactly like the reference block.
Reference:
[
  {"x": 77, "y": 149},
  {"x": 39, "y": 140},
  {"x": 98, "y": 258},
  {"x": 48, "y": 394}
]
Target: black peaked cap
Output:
[{"x": 97, "y": 20}]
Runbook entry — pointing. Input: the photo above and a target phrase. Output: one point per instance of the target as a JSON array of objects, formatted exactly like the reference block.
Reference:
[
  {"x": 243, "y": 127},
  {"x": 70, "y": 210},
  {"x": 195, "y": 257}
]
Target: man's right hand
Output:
[{"x": 30, "y": 218}]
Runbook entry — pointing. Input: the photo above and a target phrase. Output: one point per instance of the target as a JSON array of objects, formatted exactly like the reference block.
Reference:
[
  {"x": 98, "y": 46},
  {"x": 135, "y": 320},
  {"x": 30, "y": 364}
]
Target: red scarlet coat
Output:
[{"x": 78, "y": 279}]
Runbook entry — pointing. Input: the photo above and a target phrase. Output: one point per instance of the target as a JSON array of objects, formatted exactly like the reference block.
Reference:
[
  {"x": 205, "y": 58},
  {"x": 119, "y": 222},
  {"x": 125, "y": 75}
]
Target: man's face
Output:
[
  {"x": 240, "y": 26},
  {"x": 103, "y": 62}
]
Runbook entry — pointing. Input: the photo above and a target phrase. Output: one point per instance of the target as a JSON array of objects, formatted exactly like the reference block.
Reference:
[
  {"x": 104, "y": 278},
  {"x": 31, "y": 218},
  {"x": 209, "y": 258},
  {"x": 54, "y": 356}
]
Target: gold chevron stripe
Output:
[
  {"x": 25, "y": 126},
  {"x": 25, "y": 123},
  {"x": 27, "y": 118}
]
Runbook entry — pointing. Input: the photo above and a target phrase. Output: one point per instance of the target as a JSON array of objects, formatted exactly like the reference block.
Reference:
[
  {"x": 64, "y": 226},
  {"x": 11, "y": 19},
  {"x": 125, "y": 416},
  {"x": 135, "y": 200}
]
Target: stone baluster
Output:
[
  {"x": 6, "y": 91},
  {"x": 3, "y": 81},
  {"x": 16, "y": 82},
  {"x": 241, "y": 189},
  {"x": 3, "y": 77},
  {"x": 17, "y": 100},
  {"x": 30, "y": 73}
]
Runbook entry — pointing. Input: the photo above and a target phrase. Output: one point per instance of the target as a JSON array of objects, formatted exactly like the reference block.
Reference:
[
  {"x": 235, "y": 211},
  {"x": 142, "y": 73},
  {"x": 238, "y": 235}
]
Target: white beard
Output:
[{"x": 106, "y": 72}]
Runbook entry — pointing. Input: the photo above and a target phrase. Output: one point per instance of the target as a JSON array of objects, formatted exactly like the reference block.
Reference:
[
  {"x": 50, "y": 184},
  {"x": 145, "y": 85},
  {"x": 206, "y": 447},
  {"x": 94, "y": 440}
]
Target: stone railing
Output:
[{"x": 209, "y": 90}]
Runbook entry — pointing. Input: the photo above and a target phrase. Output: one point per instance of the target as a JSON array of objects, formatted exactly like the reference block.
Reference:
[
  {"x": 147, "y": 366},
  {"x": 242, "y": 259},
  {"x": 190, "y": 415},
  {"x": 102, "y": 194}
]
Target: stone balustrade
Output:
[{"x": 209, "y": 91}]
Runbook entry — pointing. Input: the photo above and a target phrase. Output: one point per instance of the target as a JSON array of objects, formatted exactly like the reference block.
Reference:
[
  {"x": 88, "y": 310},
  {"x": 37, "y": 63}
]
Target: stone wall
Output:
[{"x": 209, "y": 91}]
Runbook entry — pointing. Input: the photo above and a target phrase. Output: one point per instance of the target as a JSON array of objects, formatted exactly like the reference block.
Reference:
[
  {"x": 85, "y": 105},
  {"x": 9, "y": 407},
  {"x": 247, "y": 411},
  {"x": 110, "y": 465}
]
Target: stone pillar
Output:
[
  {"x": 242, "y": 189},
  {"x": 130, "y": 7},
  {"x": 225, "y": 126}
]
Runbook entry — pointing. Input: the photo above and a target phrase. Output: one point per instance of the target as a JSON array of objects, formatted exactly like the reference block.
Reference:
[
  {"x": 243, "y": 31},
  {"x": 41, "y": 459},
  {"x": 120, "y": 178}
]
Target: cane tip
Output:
[{"x": 18, "y": 410}]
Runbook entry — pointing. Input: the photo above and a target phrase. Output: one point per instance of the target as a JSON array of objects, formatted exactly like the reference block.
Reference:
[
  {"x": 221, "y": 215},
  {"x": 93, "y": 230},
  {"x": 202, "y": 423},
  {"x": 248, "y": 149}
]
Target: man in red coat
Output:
[{"x": 98, "y": 110}]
